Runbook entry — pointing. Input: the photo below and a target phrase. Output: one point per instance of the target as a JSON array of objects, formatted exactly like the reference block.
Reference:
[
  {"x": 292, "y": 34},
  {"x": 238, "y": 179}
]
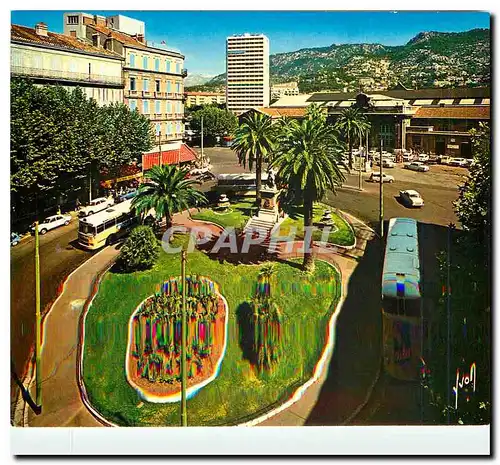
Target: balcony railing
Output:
[
  {"x": 147, "y": 93},
  {"x": 131, "y": 93},
  {"x": 66, "y": 75}
]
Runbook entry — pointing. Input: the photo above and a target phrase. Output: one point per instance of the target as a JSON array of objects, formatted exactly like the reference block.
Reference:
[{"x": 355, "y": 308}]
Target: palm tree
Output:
[
  {"x": 308, "y": 161},
  {"x": 167, "y": 191},
  {"x": 352, "y": 123},
  {"x": 254, "y": 142}
]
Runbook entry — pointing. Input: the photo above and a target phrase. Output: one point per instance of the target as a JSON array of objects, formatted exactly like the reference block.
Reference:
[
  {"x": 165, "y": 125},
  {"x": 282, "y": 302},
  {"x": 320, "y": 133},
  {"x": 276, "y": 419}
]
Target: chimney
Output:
[
  {"x": 140, "y": 38},
  {"x": 41, "y": 29}
]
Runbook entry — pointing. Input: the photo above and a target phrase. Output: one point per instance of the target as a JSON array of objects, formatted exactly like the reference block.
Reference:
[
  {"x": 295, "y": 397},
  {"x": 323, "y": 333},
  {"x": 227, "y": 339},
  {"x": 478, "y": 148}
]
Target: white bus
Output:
[
  {"x": 238, "y": 184},
  {"x": 104, "y": 228}
]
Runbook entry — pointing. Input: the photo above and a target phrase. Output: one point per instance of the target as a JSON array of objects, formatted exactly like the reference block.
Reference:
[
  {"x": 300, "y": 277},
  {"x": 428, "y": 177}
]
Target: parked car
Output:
[
  {"x": 458, "y": 162},
  {"x": 96, "y": 205},
  {"x": 470, "y": 161},
  {"x": 411, "y": 198},
  {"x": 375, "y": 177},
  {"x": 423, "y": 157},
  {"x": 386, "y": 163},
  {"x": 407, "y": 157},
  {"x": 444, "y": 159},
  {"x": 127, "y": 196},
  {"x": 14, "y": 239},
  {"x": 51, "y": 222},
  {"x": 416, "y": 166}
]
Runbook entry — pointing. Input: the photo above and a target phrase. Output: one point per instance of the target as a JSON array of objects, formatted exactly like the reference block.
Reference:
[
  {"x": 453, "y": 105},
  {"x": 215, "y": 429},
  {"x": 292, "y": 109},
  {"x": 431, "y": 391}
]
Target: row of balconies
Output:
[
  {"x": 153, "y": 94},
  {"x": 57, "y": 75},
  {"x": 163, "y": 116}
]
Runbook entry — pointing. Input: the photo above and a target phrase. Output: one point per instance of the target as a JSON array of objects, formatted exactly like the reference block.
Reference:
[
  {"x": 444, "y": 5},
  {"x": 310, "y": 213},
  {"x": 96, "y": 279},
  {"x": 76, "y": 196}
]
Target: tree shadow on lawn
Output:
[{"x": 244, "y": 318}]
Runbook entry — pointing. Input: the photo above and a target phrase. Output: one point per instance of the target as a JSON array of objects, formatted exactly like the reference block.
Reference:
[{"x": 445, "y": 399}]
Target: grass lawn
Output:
[
  {"x": 239, "y": 393},
  {"x": 237, "y": 217},
  {"x": 342, "y": 233}
]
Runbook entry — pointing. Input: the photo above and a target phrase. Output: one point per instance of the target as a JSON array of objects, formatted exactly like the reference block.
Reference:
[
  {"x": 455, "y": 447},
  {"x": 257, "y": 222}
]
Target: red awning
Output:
[{"x": 168, "y": 157}]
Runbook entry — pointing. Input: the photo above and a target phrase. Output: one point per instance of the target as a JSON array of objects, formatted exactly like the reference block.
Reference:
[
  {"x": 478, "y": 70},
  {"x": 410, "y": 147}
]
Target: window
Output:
[
  {"x": 169, "y": 128},
  {"x": 145, "y": 107},
  {"x": 178, "y": 107},
  {"x": 132, "y": 60},
  {"x": 169, "y": 107},
  {"x": 168, "y": 66},
  {"x": 157, "y": 107},
  {"x": 178, "y": 128},
  {"x": 145, "y": 62},
  {"x": 132, "y": 104},
  {"x": 178, "y": 87},
  {"x": 157, "y": 64},
  {"x": 157, "y": 85},
  {"x": 72, "y": 19},
  {"x": 169, "y": 87},
  {"x": 72, "y": 33},
  {"x": 132, "y": 83},
  {"x": 145, "y": 85},
  {"x": 158, "y": 129},
  {"x": 178, "y": 68}
]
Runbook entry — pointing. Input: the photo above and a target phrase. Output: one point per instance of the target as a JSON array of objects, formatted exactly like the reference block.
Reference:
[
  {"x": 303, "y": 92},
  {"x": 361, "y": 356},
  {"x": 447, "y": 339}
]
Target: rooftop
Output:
[
  {"x": 27, "y": 35},
  {"x": 459, "y": 111}
]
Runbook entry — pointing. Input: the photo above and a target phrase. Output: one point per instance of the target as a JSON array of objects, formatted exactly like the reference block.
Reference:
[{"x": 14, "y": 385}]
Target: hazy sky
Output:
[{"x": 200, "y": 35}]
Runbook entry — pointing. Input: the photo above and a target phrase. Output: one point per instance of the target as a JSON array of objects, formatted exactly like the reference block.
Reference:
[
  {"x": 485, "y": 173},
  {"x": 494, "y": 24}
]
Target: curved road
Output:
[{"x": 59, "y": 256}]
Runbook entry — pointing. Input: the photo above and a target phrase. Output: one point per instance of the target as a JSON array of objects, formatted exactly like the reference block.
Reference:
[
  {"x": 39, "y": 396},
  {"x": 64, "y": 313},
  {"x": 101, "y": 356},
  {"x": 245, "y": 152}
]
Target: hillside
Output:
[{"x": 430, "y": 59}]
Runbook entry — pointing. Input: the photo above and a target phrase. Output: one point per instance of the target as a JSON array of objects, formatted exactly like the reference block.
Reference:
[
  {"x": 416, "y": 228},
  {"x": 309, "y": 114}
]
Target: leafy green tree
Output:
[
  {"x": 167, "y": 191},
  {"x": 59, "y": 138},
  {"x": 140, "y": 251},
  {"x": 217, "y": 122},
  {"x": 469, "y": 299},
  {"x": 254, "y": 142},
  {"x": 308, "y": 159},
  {"x": 352, "y": 123}
]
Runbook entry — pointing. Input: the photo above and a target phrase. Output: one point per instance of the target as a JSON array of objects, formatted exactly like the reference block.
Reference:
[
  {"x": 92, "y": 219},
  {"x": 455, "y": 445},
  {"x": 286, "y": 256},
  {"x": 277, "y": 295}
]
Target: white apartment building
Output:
[
  {"x": 287, "y": 88},
  {"x": 247, "y": 71}
]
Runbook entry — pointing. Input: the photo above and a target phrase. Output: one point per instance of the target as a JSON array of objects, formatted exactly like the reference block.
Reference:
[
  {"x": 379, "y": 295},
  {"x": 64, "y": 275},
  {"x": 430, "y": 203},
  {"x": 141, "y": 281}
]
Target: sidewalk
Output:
[{"x": 61, "y": 401}]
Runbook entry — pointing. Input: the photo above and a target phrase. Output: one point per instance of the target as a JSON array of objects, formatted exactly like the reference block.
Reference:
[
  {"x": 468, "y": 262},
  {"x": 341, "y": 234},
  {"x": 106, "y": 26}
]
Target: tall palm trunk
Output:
[
  {"x": 258, "y": 178},
  {"x": 308, "y": 263},
  {"x": 349, "y": 142}
]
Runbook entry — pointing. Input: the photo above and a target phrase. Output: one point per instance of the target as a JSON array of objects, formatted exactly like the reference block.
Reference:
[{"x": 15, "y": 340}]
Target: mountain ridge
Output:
[{"x": 429, "y": 59}]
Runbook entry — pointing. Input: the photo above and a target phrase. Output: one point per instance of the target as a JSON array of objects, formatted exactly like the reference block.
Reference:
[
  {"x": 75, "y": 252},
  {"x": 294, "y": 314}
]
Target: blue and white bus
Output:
[{"x": 402, "y": 300}]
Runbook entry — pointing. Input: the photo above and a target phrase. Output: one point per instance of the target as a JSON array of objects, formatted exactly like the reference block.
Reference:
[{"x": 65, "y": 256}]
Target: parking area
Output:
[{"x": 438, "y": 187}]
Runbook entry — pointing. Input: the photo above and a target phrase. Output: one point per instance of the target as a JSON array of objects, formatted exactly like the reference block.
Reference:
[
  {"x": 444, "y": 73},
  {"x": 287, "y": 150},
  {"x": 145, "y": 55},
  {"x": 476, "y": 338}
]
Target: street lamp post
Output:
[
  {"x": 183, "y": 342},
  {"x": 381, "y": 200},
  {"x": 38, "y": 342},
  {"x": 202, "y": 153}
]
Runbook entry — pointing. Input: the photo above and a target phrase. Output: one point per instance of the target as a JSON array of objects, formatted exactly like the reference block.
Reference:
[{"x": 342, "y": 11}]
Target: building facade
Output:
[
  {"x": 153, "y": 76},
  {"x": 49, "y": 58},
  {"x": 194, "y": 99},
  {"x": 287, "y": 88},
  {"x": 434, "y": 121},
  {"x": 247, "y": 71}
]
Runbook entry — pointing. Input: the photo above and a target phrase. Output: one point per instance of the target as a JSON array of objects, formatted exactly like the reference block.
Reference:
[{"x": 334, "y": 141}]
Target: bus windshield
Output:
[
  {"x": 401, "y": 306},
  {"x": 86, "y": 229}
]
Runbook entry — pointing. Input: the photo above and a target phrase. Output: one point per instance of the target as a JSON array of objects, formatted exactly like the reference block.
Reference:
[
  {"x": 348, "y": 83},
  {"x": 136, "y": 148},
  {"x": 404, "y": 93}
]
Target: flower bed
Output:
[{"x": 154, "y": 347}]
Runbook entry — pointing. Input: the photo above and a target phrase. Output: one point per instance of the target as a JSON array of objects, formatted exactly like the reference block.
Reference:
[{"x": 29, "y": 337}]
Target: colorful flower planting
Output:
[
  {"x": 153, "y": 356},
  {"x": 267, "y": 322}
]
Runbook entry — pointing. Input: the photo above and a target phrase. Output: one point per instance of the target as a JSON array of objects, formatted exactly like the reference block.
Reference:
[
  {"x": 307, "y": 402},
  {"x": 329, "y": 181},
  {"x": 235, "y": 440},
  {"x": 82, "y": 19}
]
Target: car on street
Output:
[
  {"x": 386, "y": 163},
  {"x": 444, "y": 159},
  {"x": 96, "y": 205},
  {"x": 375, "y": 177},
  {"x": 407, "y": 156},
  {"x": 51, "y": 222},
  {"x": 470, "y": 161},
  {"x": 416, "y": 166},
  {"x": 14, "y": 239},
  {"x": 411, "y": 198},
  {"x": 458, "y": 162},
  {"x": 423, "y": 157},
  {"x": 127, "y": 196}
]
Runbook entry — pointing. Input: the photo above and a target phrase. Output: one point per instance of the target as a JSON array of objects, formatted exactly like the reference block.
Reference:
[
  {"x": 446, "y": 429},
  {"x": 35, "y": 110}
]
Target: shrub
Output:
[{"x": 140, "y": 251}]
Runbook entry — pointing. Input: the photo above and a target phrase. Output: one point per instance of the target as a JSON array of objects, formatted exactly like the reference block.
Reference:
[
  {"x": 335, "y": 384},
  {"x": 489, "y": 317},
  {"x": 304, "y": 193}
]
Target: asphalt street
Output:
[{"x": 59, "y": 256}]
